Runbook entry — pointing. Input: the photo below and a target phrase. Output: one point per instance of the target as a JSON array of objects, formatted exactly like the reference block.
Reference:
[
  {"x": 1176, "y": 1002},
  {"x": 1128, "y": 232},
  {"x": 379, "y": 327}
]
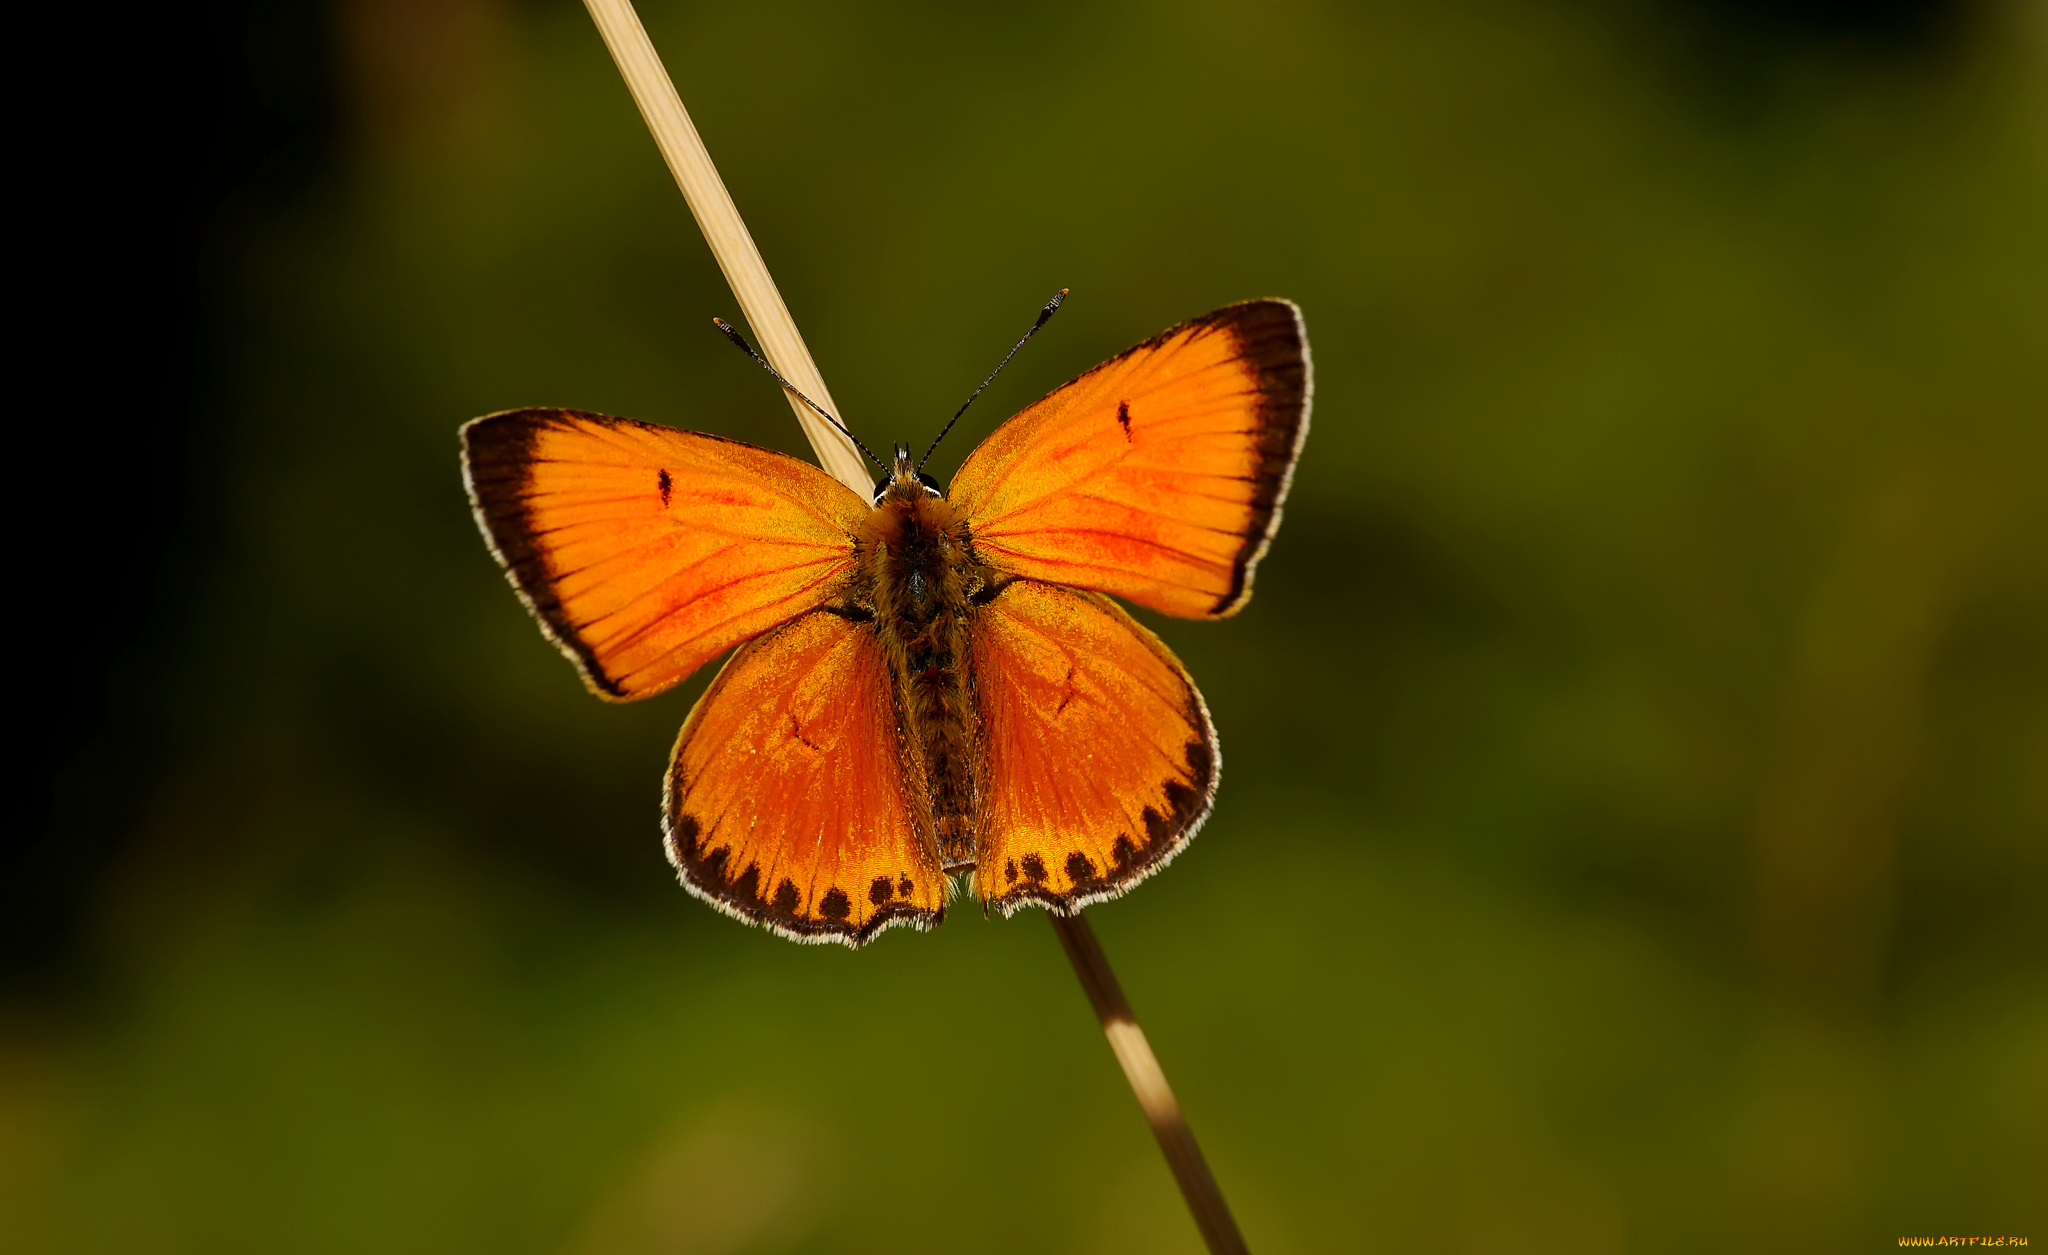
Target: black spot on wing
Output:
[
  {"x": 1200, "y": 757},
  {"x": 881, "y": 891},
  {"x": 1123, "y": 416},
  {"x": 787, "y": 899},
  {"x": 748, "y": 887},
  {"x": 990, "y": 590},
  {"x": 1034, "y": 867},
  {"x": 836, "y": 905},
  {"x": 686, "y": 830},
  {"x": 1080, "y": 869},
  {"x": 666, "y": 485},
  {"x": 851, "y": 612}
]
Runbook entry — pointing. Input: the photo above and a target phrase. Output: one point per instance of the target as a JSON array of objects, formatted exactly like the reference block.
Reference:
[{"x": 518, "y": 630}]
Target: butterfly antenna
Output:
[
  {"x": 732, "y": 334},
  {"x": 1044, "y": 315}
]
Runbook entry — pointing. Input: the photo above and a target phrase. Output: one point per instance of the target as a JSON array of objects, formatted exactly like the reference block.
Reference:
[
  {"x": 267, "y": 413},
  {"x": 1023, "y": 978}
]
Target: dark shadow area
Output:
[
  {"x": 1739, "y": 59},
  {"x": 162, "y": 135}
]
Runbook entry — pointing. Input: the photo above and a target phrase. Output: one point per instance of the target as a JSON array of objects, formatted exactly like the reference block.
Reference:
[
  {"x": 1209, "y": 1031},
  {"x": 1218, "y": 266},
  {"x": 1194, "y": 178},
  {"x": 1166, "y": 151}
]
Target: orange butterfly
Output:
[{"x": 926, "y": 684}]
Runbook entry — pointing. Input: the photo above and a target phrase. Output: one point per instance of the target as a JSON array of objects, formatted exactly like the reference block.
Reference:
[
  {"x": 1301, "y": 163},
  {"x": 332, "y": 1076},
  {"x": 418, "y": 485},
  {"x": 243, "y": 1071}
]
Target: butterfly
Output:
[{"x": 925, "y": 685}]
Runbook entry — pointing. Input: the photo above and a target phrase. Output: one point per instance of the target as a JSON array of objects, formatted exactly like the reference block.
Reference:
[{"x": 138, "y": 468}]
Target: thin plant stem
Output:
[
  {"x": 1148, "y": 1082},
  {"x": 720, "y": 221},
  {"x": 762, "y": 304}
]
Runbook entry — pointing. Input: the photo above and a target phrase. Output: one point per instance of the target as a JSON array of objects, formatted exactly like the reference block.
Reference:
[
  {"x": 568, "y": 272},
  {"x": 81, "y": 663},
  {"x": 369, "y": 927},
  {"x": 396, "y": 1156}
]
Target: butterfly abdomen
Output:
[{"x": 922, "y": 576}]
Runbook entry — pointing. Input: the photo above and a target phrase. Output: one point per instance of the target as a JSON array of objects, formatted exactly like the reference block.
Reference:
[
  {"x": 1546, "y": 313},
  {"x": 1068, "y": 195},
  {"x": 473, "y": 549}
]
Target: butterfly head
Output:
[{"x": 905, "y": 482}]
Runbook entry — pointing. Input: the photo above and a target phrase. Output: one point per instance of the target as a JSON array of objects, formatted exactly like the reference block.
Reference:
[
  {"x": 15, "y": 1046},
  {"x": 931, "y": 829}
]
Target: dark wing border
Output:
[
  {"x": 1272, "y": 337},
  {"x": 497, "y": 467}
]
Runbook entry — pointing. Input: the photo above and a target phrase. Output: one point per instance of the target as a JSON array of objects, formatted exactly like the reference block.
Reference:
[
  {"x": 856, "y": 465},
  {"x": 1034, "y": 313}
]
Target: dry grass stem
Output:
[
  {"x": 1148, "y": 1082},
  {"x": 730, "y": 243}
]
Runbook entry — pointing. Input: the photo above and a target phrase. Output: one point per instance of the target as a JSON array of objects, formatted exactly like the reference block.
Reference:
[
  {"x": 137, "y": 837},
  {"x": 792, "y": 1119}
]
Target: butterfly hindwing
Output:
[
  {"x": 646, "y": 551},
  {"x": 1159, "y": 475},
  {"x": 1101, "y": 761},
  {"x": 788, "y": 801}
]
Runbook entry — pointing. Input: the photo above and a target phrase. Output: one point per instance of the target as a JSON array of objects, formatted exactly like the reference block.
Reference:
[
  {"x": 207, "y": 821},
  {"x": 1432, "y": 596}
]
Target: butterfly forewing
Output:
[
  {"x": 788, "y": 800},
  {"x": 1159, "y": 475},
  {"x": 1101, "y": 761},
  {"x": 645, "y": 551}
]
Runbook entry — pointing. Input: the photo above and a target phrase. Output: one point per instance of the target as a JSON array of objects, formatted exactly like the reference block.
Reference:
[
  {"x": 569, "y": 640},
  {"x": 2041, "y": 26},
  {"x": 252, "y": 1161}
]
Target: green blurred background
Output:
[{"x": 1634, "y": 830}]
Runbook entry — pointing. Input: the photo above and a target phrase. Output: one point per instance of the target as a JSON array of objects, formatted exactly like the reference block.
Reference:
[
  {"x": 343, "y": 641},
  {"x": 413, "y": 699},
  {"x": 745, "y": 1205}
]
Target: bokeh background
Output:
[{"x": 1634, "y": 830}]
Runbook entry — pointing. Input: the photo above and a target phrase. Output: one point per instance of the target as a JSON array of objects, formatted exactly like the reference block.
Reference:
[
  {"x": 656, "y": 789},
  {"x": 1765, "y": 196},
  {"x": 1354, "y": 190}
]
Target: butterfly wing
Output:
[
  {"x": 1157, "y": 476},
  {"x": 788, "y": 800},
  {"x": 1101, "y": 760},
  {"x": 646, "y": 551}
]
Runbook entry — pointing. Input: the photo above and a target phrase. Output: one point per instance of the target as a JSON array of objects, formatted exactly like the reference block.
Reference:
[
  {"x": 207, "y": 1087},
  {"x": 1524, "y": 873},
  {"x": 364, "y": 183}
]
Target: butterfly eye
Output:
[
  {"x": 881, "y": 486},
  {"x": 930, "y": 485}
]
